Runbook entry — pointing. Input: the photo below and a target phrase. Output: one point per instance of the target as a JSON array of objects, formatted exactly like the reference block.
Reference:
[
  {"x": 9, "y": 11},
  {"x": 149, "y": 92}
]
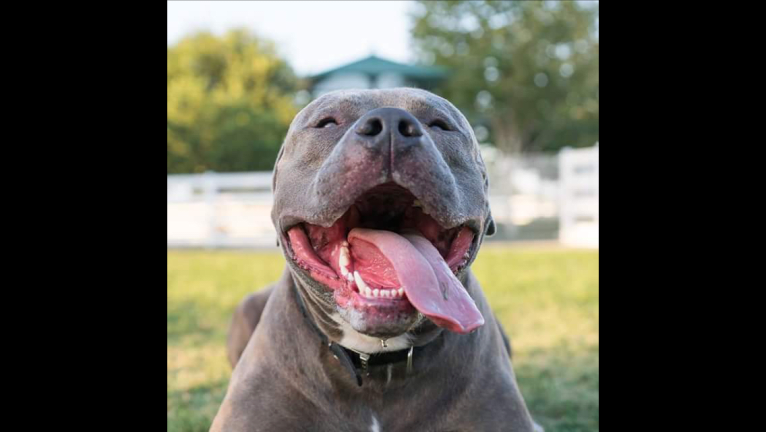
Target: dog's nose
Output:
[{"x": 379, "y": 124}]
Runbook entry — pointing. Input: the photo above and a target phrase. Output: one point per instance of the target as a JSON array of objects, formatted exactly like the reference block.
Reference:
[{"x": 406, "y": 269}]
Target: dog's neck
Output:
[
  {"x": 360, "y": 353},
  {"x": 360, "y": 342}
]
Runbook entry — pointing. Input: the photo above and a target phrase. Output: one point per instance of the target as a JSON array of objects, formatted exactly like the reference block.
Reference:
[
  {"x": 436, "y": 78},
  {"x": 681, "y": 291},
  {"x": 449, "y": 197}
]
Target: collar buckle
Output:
[{"x": 363, "y": 359}]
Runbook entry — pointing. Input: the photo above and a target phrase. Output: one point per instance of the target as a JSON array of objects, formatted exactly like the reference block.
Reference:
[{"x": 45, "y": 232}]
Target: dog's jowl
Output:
[{"x": 377, "y": 324}]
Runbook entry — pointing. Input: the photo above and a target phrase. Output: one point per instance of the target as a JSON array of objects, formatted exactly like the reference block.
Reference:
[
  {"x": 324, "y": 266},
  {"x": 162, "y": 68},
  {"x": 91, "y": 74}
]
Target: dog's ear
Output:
[{"x": 490, "y": 226}]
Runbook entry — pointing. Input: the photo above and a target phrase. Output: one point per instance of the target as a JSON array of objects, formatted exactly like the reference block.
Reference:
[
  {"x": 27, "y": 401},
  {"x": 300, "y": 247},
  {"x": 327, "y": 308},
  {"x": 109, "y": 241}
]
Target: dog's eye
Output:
[
  {"x": 440, "y": 124},
  {"x": 326, "y": 122}
]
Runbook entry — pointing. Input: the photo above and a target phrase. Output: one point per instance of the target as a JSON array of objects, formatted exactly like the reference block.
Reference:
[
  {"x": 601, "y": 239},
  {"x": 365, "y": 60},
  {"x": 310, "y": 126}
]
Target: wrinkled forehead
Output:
[{"x": 418, "y": 102}]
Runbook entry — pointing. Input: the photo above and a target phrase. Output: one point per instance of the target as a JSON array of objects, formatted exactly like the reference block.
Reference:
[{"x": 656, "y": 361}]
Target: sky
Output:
[{"x": 313, "y": 36}]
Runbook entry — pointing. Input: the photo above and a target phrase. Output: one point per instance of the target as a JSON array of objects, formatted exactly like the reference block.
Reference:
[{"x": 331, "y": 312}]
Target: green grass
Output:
[{"x": 547, "y": 300}]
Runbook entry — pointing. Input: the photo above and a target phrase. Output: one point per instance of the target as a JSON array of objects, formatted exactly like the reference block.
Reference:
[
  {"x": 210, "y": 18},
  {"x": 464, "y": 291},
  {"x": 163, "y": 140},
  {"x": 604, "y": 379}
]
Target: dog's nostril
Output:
[
  {"x": 371, "y": 127},
  {"x": 409, "y": 129}
]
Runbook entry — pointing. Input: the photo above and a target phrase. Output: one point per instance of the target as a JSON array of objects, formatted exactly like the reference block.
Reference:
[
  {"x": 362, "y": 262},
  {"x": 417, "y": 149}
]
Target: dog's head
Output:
[{"x": 380, "y": 204}]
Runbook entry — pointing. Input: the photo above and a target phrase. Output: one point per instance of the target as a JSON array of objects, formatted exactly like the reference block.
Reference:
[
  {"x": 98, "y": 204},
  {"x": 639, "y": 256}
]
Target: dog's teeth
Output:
[
  {"x": 359, "y": 281},
  {"x": 385, "y": 293},
  {"x": 401, "y": 292},
  {"x": 368, "y": 292},
  {"x": 375, "y": 292},
  {"x": 343, "y": 259}
]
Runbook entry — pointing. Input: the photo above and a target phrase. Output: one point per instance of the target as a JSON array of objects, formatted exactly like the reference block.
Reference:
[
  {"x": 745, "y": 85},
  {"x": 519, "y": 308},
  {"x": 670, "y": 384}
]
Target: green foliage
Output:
[
  {"x": 547, "y": 300},
  {"x": 230, "y": 102},
  {"x": 528, "y": 70}
]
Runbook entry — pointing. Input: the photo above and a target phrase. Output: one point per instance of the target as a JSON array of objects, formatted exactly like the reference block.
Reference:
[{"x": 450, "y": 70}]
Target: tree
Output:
[
  {"x": 230, "y": 102},
  {"x": 526, "y": 70}
]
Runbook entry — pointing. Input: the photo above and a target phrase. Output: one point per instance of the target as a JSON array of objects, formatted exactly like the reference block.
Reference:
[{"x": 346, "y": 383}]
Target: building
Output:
[{"x": 374, "y": 72}]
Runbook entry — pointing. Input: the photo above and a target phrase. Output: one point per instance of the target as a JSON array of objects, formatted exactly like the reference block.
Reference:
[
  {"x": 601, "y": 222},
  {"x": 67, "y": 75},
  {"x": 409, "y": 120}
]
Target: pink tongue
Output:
[{"x": 430, "y": 285}]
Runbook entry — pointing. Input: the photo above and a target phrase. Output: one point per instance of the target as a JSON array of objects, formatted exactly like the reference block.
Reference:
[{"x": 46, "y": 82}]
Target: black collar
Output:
[{"x": 358, "y": 363}]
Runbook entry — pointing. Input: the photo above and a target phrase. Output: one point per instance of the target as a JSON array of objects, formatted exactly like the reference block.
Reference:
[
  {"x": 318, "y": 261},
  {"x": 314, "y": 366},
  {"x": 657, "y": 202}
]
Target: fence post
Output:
[
  {"x": 210, "y": 188},
  {"x": 579, "y": 196},
  {"x": 564, "y": 201},
  {"x": 598, "y": 207}
]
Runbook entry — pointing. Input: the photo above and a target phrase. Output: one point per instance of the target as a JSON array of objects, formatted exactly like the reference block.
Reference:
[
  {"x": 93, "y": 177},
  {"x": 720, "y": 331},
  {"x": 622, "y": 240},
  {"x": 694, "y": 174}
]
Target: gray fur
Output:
[{"x": 285, "y": 379}]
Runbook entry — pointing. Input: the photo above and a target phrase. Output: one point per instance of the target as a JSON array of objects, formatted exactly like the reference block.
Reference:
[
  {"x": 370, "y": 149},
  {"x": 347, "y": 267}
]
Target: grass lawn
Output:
[{"x": 547, "y": 299}]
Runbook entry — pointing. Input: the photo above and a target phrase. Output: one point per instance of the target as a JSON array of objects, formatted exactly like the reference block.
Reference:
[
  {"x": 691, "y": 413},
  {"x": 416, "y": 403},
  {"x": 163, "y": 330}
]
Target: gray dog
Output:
[{"x": 377, "y": 324}]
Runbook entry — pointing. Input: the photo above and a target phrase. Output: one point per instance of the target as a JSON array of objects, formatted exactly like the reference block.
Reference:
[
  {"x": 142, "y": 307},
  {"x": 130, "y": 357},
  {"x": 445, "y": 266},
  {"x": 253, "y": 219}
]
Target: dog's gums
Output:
[{"x": 385, "y": 255}]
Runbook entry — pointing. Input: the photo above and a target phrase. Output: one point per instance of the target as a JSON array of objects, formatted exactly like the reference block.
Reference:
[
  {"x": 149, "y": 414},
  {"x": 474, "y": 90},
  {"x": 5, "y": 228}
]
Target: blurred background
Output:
[{"x": 525, "y": 74}]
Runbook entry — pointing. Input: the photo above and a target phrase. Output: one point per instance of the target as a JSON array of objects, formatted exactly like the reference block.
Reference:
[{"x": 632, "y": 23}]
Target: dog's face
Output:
[{"x": 380, "y": 204}]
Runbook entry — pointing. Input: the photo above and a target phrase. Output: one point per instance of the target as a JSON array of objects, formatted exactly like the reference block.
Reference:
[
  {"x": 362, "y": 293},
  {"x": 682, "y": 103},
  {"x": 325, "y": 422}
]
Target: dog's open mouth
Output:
[{"x": 386, "y": 255}]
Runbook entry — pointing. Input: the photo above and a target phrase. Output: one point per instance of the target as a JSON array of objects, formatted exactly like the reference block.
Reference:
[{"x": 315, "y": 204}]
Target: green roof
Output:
[{"x": 373, "y": 65}]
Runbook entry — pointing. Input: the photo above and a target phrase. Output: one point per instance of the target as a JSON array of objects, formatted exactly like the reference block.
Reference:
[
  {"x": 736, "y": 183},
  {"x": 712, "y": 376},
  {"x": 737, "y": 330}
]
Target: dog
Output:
[{"x": 377, "y": 323}]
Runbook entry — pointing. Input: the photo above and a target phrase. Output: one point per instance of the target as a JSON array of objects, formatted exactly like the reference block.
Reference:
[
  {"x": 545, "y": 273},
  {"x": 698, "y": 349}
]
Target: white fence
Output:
[
  {"x": 220, "y": 210},
  {"x": 555, "y": 194},
  {"x": 522, "y": 189},
  {"x": 579, "y": 197}
]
